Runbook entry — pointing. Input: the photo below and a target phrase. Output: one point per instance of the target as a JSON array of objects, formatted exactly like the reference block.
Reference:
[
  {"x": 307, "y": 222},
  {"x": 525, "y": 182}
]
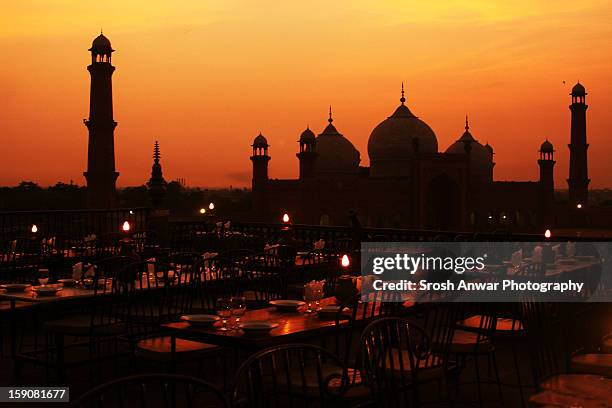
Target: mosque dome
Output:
[
  {"x": 578, "y": 90},
  {"x": 101, "y": 45},
  {"x": 481, "y": 157},
  {"x": 336, "y": 154},
  {"x": 260, "y": 141},
  {"x": 395, "y": 140},
  {"x": 547, "y": 147},
  {"x": 307, "y": 136}
]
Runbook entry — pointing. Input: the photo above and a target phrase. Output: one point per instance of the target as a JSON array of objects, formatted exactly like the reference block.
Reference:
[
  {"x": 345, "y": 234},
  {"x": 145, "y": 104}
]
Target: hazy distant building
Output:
[
  {"x": 101, "y": 175},
  {"x": 410, "y": 183}
]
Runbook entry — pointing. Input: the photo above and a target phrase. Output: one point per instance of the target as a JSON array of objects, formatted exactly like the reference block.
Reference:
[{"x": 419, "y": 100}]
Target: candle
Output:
[
  {"x": 126, "y": 227},
  {"x": 345, "y": 262},
  {"x": 34, "y": 229},
  {"x": 286, "y": 218}
]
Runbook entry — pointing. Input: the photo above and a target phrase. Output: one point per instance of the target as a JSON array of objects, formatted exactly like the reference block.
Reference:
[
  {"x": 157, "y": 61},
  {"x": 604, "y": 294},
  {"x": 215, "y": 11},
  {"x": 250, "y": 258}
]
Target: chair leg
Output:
[
  {"x": 518, "y": 373},
  {"x": 497, "y": 380},
  {"x": 478, "y": 384}
]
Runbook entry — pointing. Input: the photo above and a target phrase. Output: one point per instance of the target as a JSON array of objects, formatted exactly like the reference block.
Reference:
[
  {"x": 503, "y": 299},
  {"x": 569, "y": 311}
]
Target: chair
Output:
[
  {"x": 477, "y": 342},
  {"x": 153, "y": 391},
  {"x": 295, "y": 375},
  {"x": 399, "y": 356},
  {"x": 550, "y": 363},
  {"x": 163, "y": 298},
  {"x": 105, "y": 317}
]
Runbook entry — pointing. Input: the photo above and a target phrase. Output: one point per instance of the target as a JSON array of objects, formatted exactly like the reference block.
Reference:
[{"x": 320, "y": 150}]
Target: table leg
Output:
[{"x": 60, "y": 358}]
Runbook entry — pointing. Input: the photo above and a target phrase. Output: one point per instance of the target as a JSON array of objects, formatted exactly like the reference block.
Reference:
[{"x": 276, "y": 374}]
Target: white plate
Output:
[
  {"x": 15, "y": 287},
  {"x": 46, "y": 290},
  {"x": 258, "y": 326},
  {"x": 200, "y": 319},
  {"x": 286, "y": 304}
]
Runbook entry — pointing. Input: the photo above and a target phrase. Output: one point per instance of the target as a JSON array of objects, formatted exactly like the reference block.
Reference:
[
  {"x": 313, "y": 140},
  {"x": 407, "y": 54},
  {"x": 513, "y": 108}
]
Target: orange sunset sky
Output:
[{"x": 204, "y": 77}]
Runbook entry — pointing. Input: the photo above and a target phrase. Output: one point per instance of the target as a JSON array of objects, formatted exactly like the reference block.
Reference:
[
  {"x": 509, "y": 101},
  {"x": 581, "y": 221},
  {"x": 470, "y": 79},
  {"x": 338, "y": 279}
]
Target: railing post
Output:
[{"x": 158, "y": 223}]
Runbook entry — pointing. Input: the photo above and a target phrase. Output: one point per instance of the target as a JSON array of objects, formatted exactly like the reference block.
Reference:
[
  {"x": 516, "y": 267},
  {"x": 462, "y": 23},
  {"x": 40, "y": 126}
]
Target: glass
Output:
[
  {"x": 238, "y": 308},
  {"x": 224, "y": 311},
  {"x": 43, "y": 276},
  {"x": 317, "y": 296}
]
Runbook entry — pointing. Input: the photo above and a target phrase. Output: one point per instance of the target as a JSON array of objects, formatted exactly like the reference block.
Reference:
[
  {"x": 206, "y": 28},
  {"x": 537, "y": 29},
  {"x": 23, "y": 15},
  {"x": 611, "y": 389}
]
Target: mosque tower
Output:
[{"x": 101, "y": 175}]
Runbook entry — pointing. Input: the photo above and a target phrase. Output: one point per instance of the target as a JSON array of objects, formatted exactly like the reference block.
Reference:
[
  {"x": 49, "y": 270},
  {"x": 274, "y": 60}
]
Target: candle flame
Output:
[
  {"x": 285, "y": 218},
  {"x": 202, "y": 210},
  {"x": 126, "y": 226},
  {"x": 345, "y": 261},
  {"x": 547, "y": 234},
  {"x": 579, "y": 206},
  {"x": 34, "y": 229},
  {"x": 211, "y": 206}
]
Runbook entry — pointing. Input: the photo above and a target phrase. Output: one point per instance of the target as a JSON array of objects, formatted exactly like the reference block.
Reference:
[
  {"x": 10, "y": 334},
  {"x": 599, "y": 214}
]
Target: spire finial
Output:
[
  {"x": 402, "y": 99},
  {"x": 101, "y": 32},
  {"x": 467, "y": 126},
  {"x": 330, "y": 120},
  {"x": 156, "y": 154}
]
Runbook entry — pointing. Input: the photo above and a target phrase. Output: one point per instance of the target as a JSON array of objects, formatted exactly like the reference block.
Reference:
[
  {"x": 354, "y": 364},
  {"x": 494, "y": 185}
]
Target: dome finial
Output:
[
  {"x": 402, "y": 99},
  {"x": 467, "y": 125},
  {"x": 330, "y": 120}
]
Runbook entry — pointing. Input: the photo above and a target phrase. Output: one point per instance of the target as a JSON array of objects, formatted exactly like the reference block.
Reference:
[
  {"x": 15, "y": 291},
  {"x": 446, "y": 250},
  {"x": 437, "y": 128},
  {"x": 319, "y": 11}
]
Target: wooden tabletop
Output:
[
  {"x": 292, "y": 326},
  {"x": 71, "y": 292},
  {"x": 575, "y": 390}
]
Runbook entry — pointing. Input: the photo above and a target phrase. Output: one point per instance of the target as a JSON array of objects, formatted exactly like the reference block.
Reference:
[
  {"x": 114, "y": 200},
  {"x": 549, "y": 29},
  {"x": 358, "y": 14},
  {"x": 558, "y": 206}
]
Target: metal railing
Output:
[{"x": 73, "y": 223}]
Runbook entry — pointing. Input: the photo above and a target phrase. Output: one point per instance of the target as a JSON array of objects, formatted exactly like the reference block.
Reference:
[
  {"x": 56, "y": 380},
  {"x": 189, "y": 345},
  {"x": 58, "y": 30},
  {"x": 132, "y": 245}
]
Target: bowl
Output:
[
  {"x": 15, "y": 287},
  {"x": 287, "y": 305},
  {"x": 46, "y": 290},
  {"x": 257, "y": 327},
  {"x": 67, "y": 282},
  {"x": 200, "y": 320}
]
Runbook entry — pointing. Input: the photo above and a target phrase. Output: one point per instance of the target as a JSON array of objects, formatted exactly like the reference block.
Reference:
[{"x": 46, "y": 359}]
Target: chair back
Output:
[
  {"x": 153, "y": 391},
  {"x": 293, "y": 375},
  {"x": 396, "y": 356}
]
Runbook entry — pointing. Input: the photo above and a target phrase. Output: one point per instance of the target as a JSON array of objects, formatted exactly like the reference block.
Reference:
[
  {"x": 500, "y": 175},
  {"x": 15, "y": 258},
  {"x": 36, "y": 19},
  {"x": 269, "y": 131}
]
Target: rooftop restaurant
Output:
[{"x": 127, "y": 307}]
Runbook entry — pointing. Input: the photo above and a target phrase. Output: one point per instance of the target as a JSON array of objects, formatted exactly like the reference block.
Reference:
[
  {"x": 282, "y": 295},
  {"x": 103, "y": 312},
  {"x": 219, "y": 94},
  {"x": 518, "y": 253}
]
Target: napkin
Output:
[
  {"x": 537, "y": 255},
  {"x": 320, "y": 244},
  {"x": 570, "y": 249},
  {"x": 517, "y": 257},
  {"x": 77, "y": 271}
]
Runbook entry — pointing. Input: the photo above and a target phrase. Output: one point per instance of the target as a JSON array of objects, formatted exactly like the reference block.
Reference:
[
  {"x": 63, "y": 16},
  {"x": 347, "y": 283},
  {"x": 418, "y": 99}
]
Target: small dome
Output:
[
  {"x": 101, "y": 45},
  {"x": 307, "y": 136},
  {"x": 481, "y": 157},
  {"x": 394, "y": 140},
  {"x": 578, "y": 90},
  {"x": 336, "y": 154},
  {"x": 547, "y": 147},
  {"x": 260, "y": 141}
]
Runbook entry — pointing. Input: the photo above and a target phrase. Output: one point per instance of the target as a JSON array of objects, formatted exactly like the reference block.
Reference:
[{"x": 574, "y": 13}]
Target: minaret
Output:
[
  {"x": 260, "y": 159},
  {"x": 578, "y": 180},
  {"x": 547, "y": 182},
  {"x": 101, "y": 175},
  {"x": 156, "y": 184},
  {"x": 307, "y": 154}
]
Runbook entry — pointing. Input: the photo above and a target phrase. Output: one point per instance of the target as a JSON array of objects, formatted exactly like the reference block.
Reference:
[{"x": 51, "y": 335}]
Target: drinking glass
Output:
[
  {"x": 224, "y": 311},
  {"x": 43, "y": 276},
  {"x": 308, "y": 297},
  {"x": 238, "y": 308},
  {"x": 317, "y": 295}
]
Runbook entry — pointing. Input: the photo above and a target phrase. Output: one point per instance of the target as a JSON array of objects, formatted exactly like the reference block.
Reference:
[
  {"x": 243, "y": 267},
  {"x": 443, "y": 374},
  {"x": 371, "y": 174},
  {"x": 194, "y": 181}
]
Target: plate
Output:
[
  {"x": 200, "y": 320},
  {"x": 67, "y": 282},
  {"x": 287, "y": 305},
  {"x": 15, "y": 287},
  {"x": 46, "y": 290},
  {"x": 257, "y": 327}
]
